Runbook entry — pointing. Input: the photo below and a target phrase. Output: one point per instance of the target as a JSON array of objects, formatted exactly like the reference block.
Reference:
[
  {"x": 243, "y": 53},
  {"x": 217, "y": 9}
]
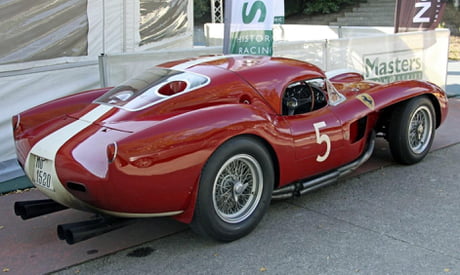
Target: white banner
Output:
[
  {"x": 251, "y": 27},
  {"x": 279, "y": 12}
]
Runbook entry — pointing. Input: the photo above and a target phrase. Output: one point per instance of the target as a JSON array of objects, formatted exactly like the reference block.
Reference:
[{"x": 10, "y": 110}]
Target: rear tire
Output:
[
  {"x": 412, "y": 130},
  {"x": 235, "y": 190}
]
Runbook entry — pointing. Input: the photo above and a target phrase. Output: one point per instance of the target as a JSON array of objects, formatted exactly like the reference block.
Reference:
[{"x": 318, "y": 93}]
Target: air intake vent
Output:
[{"x": 76, "y": 186}]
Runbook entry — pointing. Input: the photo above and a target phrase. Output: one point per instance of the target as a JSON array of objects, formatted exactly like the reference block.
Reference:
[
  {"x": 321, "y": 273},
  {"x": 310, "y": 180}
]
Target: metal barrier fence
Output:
[{"x": 378, "y": 55}]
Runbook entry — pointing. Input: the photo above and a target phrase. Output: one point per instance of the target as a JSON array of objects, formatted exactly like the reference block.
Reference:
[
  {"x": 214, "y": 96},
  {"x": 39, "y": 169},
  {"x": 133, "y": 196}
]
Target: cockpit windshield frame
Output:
[{"x": 148, "y": 88}]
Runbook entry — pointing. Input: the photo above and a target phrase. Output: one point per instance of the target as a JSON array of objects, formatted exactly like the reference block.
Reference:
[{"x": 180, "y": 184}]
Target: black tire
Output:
[
  {"x": 411, "y": 131},
  {"x": 235, "y": 190}
]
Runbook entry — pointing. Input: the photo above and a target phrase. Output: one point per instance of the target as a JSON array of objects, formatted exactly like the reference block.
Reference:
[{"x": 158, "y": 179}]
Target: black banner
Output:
[{"x": 418, "y": 15}]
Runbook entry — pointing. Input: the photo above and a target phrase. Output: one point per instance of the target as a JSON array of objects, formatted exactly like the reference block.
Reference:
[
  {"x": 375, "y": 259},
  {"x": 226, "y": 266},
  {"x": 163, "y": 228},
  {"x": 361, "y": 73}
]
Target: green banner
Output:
[
  {"x": 279, "y": 20},
  {"x": 258, "y": 42}
]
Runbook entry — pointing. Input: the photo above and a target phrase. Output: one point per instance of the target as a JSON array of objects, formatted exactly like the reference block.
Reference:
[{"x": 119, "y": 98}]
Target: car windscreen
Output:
[
  {"x": 150, "y": 87},
  {"x": 334, "y": 96}
]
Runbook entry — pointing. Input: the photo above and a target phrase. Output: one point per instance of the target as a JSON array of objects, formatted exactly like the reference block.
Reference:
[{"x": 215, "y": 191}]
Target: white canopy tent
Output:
[{"x": 50, "y": 49}]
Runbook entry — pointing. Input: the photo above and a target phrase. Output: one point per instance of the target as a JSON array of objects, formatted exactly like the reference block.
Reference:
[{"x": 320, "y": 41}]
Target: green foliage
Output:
[
  {"x": 324, "y": 6},
  {"x": 292, "y": 7},
  {"x": 201, "y": 9}
]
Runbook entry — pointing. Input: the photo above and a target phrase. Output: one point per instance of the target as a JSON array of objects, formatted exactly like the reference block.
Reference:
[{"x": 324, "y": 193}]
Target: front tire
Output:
[
  {"x": 235, "y": 190},
  {"x": 412, "y": 130}
]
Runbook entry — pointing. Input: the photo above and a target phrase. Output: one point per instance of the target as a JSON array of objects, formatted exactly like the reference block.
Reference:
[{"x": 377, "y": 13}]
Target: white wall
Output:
[{"x": 113, "y": 27}]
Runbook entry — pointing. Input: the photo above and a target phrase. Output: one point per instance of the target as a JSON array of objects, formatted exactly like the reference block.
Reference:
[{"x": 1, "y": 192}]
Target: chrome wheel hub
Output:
[
  {"x": 420, "y": 129},
  {"x": 237, "y": 188}
]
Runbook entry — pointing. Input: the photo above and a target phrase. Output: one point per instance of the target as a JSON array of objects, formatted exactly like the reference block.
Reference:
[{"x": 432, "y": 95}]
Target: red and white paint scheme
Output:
[{"x": 210, "y": 141}]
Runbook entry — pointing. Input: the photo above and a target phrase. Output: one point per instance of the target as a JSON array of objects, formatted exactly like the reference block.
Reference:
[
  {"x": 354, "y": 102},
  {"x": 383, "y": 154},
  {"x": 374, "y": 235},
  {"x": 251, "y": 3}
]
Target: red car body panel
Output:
[{"x": 161, "y": 149}]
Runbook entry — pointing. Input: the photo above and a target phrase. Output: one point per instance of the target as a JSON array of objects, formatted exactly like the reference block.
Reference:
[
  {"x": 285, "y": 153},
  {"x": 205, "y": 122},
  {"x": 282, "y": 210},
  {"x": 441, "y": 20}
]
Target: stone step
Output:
[
  {"x": 374, "y": 9},
  {"x": 370, "y": 13},
  {"x": 366, "y": 14},
  {"x": 366, "y": 23},
  {"x": 373, "y": 18},
  {"x": 364, "y": 20},
  {"x": 377, "y": 5}
]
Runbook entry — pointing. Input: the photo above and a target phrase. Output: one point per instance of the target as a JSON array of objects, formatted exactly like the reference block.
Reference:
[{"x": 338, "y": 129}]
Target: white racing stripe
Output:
[{"x": 49, "y": 146}]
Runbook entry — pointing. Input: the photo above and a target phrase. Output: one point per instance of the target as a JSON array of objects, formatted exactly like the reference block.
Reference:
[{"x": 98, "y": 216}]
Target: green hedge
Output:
[
  {"x": 202, "y": 8},
  {"x": 316, "y": 6},
  {"x": 325, "y": 6}
]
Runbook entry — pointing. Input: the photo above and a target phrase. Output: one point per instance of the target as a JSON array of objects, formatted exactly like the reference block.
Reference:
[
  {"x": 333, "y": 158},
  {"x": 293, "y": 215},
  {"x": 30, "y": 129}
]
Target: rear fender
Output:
[
  {"x": 31, "y": 125},
  {"x": 58, "y": 107},
  {"x": 182, "y": 144}
]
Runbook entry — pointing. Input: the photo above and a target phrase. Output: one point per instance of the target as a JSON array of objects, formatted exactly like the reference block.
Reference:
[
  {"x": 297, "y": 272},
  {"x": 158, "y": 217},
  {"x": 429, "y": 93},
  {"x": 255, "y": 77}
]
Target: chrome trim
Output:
[
  {"x": 18, "y": 122},
  {"x": 115, "y": 153},
  {"x": 138, "y": 215}
]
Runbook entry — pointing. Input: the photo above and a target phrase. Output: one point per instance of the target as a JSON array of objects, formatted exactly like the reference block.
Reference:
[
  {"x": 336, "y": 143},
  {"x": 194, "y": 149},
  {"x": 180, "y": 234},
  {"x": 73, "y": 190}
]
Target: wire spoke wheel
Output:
[
  {"x": 237, "y": 188},
  {"x": 420, "y": 129},
  {"x": 412, "y": 130}
]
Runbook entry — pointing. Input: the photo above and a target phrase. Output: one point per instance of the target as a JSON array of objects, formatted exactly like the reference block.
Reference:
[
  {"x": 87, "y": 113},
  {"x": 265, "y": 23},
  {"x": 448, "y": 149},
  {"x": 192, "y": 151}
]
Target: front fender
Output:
[{"x": 390, "y": 94}]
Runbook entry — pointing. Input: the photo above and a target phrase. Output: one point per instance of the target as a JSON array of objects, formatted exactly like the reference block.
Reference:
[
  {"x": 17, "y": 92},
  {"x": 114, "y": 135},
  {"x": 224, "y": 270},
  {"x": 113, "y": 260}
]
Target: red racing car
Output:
[{"x": 210, "y": 141}]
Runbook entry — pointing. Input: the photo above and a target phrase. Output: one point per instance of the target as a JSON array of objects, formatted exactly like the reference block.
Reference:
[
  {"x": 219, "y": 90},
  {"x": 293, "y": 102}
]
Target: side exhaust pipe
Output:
[
  {"x": 301, "y": 188},
  {"x": 79, "y": 231},
  {"x": 35, "y": 208}
]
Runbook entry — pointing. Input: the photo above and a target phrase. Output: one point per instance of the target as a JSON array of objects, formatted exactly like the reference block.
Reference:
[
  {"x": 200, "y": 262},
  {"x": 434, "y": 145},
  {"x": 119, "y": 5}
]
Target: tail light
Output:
[
  {"x": 112, "y": 150},
  {"x": 16, "y": 121}
]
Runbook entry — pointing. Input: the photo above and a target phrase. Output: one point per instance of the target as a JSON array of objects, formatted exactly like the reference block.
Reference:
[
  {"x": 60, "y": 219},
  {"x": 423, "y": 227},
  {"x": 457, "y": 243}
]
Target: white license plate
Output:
[{"x": 43, "y": 172}]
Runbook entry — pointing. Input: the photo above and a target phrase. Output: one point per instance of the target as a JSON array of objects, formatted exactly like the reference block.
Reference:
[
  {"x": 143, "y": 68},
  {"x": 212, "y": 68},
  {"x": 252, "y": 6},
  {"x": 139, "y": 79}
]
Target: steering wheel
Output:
[{"x": 299, "y": 99}]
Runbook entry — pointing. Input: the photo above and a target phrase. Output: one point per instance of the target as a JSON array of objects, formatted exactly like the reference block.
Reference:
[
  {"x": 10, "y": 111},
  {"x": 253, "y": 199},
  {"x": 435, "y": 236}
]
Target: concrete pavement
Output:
[
  {"x": 393, "y": 220},
  {"x": 453, "y": 79},
  {"x": 396, "y": 220}
]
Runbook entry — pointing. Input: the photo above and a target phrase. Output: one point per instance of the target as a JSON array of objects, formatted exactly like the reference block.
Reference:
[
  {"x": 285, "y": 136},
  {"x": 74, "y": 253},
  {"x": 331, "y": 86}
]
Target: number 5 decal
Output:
[{"x": 321, "y": 138}]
